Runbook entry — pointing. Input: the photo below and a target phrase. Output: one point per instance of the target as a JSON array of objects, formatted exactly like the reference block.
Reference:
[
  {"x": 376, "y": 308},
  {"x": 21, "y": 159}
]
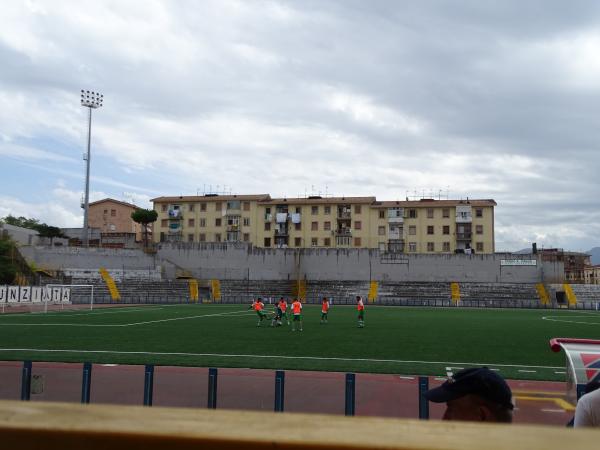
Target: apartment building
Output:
[
  {"x": 112, "y": 216},
  {"x": 423, "y": 226}
]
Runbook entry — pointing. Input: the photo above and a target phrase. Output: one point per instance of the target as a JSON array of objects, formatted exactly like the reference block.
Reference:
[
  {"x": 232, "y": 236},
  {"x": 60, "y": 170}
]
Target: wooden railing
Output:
[{"x": 65, "y": 426}]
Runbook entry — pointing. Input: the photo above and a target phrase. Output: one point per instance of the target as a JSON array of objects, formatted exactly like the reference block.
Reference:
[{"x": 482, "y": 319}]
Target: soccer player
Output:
[
  {"x": 259, "y": 307},
  {"x": 276, "y": 320},
  {"x": 283, "y": 307},
  {"x": 324, "y": 310},
  {"x": 360, "y": 306},
  {"x": 297, "y": 311}
]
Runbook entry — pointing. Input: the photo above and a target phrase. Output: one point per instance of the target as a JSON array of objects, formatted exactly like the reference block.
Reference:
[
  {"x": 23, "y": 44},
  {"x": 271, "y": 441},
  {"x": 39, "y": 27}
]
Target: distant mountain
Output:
[
  {"x": 525, "y": 251},
  {"x": 595, "y": 252}
]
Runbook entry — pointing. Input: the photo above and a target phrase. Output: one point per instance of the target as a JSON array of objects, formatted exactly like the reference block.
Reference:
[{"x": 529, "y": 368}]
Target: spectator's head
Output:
[
  {"x": 358, "y": 298},
  {"x": 324, "y": 299},
  {"x": 476, "y": 394},
  {"x": 259, "y": 299}
]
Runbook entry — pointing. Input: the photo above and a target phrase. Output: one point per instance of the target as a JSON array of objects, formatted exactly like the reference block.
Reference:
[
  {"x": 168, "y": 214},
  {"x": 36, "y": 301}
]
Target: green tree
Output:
[
  {"x": 49, "y": 231},
  {"x": 8, "y": 268},
  {"x": 144, "y": 217},
  {"x": 21, "y": 221}
]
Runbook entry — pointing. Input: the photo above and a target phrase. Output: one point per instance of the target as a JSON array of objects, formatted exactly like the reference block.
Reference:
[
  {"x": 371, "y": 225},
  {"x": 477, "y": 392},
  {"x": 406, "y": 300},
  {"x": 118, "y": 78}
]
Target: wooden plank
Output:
[{"x": 64, "y": 426}]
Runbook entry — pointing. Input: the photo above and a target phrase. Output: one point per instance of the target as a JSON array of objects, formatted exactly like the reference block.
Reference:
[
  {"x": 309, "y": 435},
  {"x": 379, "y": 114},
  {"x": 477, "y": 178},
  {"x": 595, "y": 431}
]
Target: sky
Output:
[{"x": 443, "y": 99}]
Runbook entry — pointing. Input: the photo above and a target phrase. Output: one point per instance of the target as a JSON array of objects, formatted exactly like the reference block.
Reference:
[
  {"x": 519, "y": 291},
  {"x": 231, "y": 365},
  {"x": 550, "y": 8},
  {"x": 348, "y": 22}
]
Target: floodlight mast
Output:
[{"x": 90, "y": 100}]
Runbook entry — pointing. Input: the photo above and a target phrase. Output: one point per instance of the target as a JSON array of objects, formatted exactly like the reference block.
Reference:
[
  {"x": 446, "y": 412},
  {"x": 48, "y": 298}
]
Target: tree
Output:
[
  {"x": 48, "y": 231},
  {"x": 144, "y": 217},
  {"x": 21, "y": 221},
  {"x": 8, "y": 268}
]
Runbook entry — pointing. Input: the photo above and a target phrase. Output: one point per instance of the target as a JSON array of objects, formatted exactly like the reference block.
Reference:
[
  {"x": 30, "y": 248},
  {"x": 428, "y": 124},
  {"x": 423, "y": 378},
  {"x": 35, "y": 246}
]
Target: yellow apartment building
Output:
[{"x": 423, "y": 226}]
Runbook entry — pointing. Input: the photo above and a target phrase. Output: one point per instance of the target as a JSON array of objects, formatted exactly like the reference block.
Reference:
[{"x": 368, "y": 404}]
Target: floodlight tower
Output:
[{"x": 90, "y": 100}]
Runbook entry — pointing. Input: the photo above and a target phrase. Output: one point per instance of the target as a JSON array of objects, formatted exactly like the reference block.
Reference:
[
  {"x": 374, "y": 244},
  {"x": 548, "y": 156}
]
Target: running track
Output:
[{"x": 250, "y": 389}]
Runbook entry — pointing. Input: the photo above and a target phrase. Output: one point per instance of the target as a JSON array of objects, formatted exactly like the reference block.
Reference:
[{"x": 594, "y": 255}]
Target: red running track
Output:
[{"x": 251, "y": 389}]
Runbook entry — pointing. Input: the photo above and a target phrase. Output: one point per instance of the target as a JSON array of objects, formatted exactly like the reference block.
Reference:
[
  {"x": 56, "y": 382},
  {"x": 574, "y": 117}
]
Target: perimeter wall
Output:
[{"x": 241, "y": 262}]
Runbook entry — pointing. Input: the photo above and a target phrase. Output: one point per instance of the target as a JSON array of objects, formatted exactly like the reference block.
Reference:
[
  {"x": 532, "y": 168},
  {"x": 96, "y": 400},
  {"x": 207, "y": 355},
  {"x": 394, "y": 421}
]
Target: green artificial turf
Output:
[{"x": 422, "y": 341}]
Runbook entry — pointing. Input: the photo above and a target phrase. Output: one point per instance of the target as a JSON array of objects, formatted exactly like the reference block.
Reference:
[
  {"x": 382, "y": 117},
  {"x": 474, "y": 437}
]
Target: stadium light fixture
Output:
[{"x": 90, "y": 100}]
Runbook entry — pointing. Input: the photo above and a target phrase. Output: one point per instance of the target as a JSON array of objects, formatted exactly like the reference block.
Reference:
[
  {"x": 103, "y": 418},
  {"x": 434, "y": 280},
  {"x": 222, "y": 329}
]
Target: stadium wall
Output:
[{"x": 241, "y": 262}]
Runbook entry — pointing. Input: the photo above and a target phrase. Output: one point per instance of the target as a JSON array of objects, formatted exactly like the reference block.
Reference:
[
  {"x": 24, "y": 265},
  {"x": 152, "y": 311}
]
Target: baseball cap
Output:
[{"x": 479, "y": 381}]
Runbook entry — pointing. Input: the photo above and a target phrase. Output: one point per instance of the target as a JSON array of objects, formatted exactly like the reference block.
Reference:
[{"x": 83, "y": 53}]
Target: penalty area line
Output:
[{"x": 224, "y": 355}]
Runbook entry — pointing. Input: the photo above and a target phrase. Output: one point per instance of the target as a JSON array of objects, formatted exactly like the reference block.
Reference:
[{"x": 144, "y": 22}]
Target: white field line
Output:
[
  {"x": 527, "y": 371},
  {"x": 79, "y": 312},
  {"x": 124, "y": 324},
  {"x": 224, "y": 355},
  {"x": 565, "y": 320}
]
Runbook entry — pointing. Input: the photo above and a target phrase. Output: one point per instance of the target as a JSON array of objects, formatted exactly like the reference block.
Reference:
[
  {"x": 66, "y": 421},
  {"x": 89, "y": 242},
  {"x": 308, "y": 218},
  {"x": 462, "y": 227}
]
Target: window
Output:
[
  {"x": 382, "y": 214},
  {"x": 412, "y": 213},
  {"x": 446, "y": 229},
  {"x": 478, "y": 212},
  {"x": 202, "y": 223},
  {"x": 430, "y": 247},
  {"x": 429, "y": 229},
  {"x": 357, "y": 225},
  {"x": 163, "y": 208},
  {"x": 267, "y": 242},
  {"x": 446, "y": 213},
  {"x": 327, "y": 209},
  {"x": 446, "y": 246},
  {"x": 191, "y": 207},
  {"x": 297, "y": 242},
  {"x": 412, "y": 247},
  {"x": 381, "y": 231},
  {"x": 478, "y": 229},
  {"x": 191, "y": 223},
  {"x": 395, "y": 213},
  {"x": 267, "y": 226},
  {"x": 327, "y": 242},
  {"x": 113, "y": 213},
  {"x": 202, "y": 206},
  {"x": 164, "y": 223},
  {"x": 299, "y": 210},
  {"x": 412, "y": 230},
  {"x": 190, "y": 238},
  {"x": 218, "y": 206},
  {"x": 246, "y": 221},
  {"x": 357, "y": 209},
  {"x": 218, "y": 222},
  {"x": 479, "y": 246},
  {"x": 357, "y": 242},
  {"x": 314, "y": 242},
  {"x": 106, "y": 211},
  {"x": 314, "y": 226},
  {"x": 314, "y": 210},
  {"x": 297, "y": 226},
  {"x": 217, "y": 237},
  {"x": 246, "y": 237},
  {"x": 430, "y": 213},
  {"x": 267, "y": 210},
  {"x": 327, "y": 226},
  {"x": 202, "y": 237},
  {"x": 246, "y": 206}
]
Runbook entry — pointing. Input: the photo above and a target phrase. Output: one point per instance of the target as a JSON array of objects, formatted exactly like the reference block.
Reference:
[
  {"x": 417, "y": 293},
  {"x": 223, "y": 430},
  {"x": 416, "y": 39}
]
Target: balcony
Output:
[
  {"x": 268, "y": 217},
  {"x": 281, "y": 233},
  {"x": 343, "y": 241},
  {"x": 175, "y": 214},
  {"x": 396, "y": 219},
  {"x": 396, "y": 245},
  {"x": 463, "y": 236},
  {"x": 233, "y": 228},
  {"x": 344, "y": 215},
  {"x": 345, "y": 232},
  {"x": 395, "y": 234}
]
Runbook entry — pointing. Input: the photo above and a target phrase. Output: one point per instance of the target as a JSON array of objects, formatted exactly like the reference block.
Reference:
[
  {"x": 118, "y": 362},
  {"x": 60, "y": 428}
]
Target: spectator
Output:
[
  {"x": 476, "y": 394},
  {"x": 587, "y": 412}
]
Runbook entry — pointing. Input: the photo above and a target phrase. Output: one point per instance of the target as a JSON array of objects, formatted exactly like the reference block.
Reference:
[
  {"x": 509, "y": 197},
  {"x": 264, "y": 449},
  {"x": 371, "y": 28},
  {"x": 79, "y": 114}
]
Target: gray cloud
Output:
[{"x": 483, "y": 99}]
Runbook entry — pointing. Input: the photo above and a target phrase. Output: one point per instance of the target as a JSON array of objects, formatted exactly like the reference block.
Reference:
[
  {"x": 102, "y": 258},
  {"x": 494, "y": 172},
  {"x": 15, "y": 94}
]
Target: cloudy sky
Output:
[{"x": 479, "y": 99}]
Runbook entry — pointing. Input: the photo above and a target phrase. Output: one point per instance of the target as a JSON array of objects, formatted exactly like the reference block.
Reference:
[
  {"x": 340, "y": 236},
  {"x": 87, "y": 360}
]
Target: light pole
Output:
[{"x": 90, "y": 100}]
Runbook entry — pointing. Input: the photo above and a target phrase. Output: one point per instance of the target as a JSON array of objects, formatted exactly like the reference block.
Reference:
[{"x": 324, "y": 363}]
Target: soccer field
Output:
[{"x": 395, "y": 339}]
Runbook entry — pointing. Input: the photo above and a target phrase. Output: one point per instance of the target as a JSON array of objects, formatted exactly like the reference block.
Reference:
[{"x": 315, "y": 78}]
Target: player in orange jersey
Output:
[
  {"x": 297, "y": 312},
  {"x": 259, "y": 307},
  {"x": 324, "y": 310},
  {"x": 283, "y": 307}
]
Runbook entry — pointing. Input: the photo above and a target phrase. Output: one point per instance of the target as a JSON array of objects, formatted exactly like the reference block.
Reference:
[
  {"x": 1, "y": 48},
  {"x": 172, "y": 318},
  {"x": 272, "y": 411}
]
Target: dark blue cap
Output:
[{"x": 479, "y": 381}]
